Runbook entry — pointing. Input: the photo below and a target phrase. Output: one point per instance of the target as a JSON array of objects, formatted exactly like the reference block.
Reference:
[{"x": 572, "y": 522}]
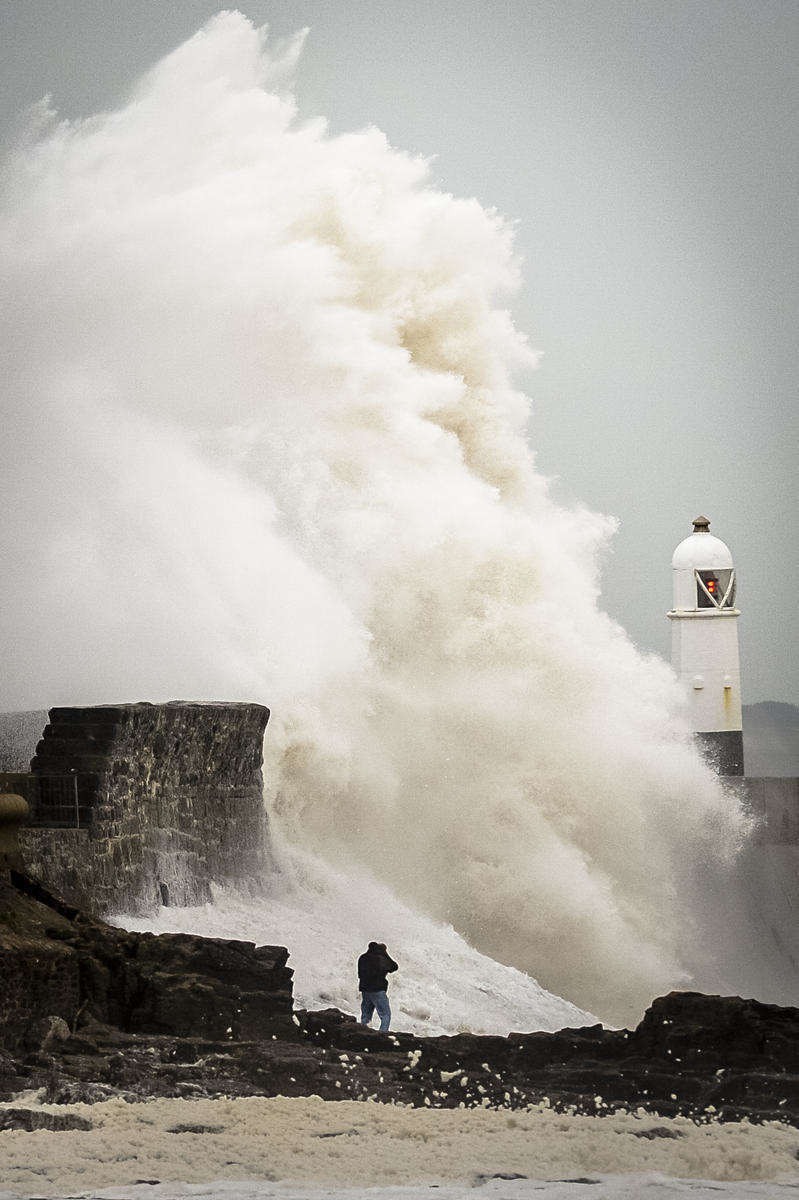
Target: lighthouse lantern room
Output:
[{"x": 704, "y": 644}]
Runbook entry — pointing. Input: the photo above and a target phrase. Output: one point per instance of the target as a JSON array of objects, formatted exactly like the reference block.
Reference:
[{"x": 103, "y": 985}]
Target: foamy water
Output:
[
  {"x": 443, "y": 985},
  {"x": 279, "y": 1147},
  {"x": 262, "y": 427}
]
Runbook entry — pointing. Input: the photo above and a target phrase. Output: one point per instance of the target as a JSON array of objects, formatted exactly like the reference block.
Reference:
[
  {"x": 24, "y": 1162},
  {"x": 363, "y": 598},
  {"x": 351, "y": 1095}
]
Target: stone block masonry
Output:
[{"x": 172, "y": 797}]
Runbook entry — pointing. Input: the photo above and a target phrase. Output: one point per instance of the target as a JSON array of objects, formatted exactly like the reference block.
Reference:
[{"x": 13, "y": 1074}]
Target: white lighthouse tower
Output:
[{"x": 704, "y": 644}]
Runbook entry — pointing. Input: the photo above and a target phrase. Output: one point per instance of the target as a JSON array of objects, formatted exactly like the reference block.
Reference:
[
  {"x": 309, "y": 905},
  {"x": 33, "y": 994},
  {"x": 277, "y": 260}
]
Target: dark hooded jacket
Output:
[{"x": 373, "y": 966}]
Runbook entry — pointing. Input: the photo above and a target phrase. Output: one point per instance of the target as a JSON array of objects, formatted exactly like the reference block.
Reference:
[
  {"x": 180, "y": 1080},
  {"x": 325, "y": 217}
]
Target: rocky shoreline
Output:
[{"x": 89, "y": 1012}]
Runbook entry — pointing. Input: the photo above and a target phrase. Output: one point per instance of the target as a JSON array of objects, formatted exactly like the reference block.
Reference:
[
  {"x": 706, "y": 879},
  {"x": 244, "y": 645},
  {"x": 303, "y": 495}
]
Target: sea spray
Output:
[{"x": 263, "y": 442}]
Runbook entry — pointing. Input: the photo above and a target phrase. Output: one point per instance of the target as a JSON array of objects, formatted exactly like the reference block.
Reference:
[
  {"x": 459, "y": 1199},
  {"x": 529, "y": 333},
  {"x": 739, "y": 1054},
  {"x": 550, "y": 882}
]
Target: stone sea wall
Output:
[{"x": 171, "y": 800}]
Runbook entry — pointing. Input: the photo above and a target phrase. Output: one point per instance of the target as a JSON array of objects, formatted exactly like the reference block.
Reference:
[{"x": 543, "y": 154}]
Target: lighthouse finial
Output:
[{"x": 701, "y": 525}]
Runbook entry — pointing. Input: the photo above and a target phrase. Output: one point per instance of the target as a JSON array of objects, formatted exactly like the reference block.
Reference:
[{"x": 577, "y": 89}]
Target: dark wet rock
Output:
[
  {"x": 65, "y": 973},
  {"x": 88, "y": 1012},
  {"x": 38, "y": 1118},
  {"x": 196, "y": 1129},
  {"x": 480, "y": 1180}
]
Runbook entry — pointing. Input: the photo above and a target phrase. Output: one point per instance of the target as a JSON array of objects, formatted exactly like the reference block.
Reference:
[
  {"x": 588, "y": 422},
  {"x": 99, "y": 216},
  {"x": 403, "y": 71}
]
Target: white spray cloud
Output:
[{"x": 262, "y": 442}]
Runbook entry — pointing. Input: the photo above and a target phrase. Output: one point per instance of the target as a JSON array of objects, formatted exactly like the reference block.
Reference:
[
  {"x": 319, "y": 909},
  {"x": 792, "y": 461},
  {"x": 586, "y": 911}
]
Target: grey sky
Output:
[{"x": 647, "y": 152}]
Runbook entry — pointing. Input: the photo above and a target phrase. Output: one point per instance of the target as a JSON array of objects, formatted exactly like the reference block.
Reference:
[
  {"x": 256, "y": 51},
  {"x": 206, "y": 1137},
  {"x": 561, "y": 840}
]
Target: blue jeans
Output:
[{"x": 371, "y": 1001}]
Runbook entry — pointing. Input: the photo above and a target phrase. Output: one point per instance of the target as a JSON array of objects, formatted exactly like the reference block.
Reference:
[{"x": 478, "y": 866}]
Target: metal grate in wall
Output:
[{"x": 56, "y": 801}]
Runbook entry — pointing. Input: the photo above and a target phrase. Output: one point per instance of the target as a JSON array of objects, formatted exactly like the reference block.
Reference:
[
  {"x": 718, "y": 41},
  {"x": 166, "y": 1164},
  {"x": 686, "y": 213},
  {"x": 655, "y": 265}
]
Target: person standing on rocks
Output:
[{"x": 373, "y": 967}]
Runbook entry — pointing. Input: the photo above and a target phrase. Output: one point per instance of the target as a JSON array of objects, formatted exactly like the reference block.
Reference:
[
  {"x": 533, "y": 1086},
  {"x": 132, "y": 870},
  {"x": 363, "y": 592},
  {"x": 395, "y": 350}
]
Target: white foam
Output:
[
  {"x": 443, "y": 986},
  {"x": 276, "y": 1146}
]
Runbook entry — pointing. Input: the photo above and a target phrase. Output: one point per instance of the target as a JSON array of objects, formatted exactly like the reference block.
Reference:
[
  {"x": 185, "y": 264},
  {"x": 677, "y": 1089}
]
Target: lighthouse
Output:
[{"x": 704, "y": 644}]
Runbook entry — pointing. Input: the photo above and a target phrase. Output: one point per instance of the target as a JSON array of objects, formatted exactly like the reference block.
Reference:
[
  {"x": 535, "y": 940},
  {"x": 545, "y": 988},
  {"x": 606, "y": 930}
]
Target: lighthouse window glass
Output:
[{"x": 715, "y": 589}]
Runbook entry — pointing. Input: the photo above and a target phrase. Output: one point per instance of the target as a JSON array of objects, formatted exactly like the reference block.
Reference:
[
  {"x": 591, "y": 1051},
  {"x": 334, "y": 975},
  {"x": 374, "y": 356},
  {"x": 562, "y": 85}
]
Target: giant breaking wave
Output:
[{"x": 262, "y": 441}]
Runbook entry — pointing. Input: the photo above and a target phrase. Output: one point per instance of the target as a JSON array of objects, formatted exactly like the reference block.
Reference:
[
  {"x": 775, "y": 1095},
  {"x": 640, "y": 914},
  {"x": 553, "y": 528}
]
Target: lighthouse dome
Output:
[
  {"x": 704, "y": 579},
  {"x": 701, "y": 549}
]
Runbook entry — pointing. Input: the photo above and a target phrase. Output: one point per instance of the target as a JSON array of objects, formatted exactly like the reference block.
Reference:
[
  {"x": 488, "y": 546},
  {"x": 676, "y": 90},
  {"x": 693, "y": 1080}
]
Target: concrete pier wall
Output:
[
  {"x": 749, "y": 907},
  {"x": 775, "y": 802}
]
